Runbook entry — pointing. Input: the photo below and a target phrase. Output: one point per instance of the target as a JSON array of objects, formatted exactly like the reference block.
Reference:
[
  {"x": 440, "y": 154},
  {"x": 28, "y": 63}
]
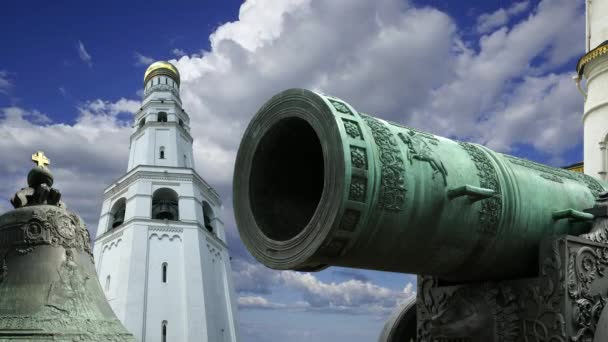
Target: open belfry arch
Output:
[{"x": 160, "y": 249}]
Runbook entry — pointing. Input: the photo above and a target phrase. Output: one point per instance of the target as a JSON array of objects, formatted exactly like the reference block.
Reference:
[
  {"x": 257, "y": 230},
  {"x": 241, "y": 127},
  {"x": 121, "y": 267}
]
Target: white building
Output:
[
  {"x": 160, "y": 249},
  {"x": 592, "y": 71}
]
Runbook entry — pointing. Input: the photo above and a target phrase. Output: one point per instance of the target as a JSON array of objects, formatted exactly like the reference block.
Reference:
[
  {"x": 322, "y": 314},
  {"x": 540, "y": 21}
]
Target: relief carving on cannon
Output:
[{"x": 505, "y": 249}]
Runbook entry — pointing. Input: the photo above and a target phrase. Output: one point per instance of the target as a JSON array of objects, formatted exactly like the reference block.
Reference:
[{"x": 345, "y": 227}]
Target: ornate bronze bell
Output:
[
  {"x": 165, "y": 205},
  {"x": 164, "y": 210},
  {"x": 48, "y": 286}
]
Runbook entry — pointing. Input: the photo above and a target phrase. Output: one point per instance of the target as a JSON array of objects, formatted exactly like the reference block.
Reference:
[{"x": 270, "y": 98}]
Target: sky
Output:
[{"x": 498, "y": 73}]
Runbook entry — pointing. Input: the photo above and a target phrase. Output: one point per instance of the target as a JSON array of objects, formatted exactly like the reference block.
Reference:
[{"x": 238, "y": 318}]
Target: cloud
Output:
[
  {"x": 253, "y": 277},
  {"x": 107, "y": 108},
  {"x": 257, "y": 302},
  {"x": 143, "y": 60},
  {"x": 5, "y": 83},
  {"x": 493, "y": 80},
  {"x": 16, "y": 114},
  {"x": 85, "y": 157},
  {"x": 518, "y": 7},
  {"x": 178, "y": 52},
  {"x": 540, "y": 112},
  {"x": 258, "y": 23},
  {"x": 84, "y": 55},
  {"x": 217, "y": 88},
  {"x": 351, "y": 296},
  {"x": 489, "y": 21},
  {"x": 381, "y": 66}
]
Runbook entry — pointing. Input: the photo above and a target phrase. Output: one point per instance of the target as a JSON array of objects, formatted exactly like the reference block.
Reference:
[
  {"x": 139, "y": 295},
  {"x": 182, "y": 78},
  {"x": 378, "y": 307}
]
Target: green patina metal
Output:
[
  {"x": 318, "y": 183},
  {"x": 48, "y": 286}
]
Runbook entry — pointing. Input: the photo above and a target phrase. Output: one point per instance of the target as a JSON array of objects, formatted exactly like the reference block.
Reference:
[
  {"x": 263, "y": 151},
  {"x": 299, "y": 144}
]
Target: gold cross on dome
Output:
[{"x": 40, "y": 159}]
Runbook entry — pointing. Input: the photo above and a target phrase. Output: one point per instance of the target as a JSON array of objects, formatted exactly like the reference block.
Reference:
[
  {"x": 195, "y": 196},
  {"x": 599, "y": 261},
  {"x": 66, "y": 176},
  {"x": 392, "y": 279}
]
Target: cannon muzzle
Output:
[{"x": 318, "y": 183}]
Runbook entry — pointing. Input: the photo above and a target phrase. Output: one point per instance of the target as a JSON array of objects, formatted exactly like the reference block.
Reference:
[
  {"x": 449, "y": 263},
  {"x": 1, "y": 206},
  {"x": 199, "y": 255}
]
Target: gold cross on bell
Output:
[{"x": 40, "y": 159}]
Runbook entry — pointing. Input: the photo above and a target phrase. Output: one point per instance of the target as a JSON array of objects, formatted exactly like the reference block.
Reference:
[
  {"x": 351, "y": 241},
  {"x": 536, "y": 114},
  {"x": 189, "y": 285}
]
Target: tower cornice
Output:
[
  {"x": 151, "y": 172},
  {"x": 158, "y": 225},
  {"x": 599, "y": 51}
]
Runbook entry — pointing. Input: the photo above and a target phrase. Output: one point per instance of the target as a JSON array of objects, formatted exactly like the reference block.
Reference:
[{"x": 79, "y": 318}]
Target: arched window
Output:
[
  {"x": 117, "y": 214},
  {"x": 108, "y": 283},
  {"x": 161, "y": 117},
  {"x": 161, "y": 152},
  {"x": 208, "y": 216},
  {"x": 165, "y": 205},
  {"x": 164, "y": 271},
  {"x": 164, "y": 331},
  {"x": 142, "y": 122}
]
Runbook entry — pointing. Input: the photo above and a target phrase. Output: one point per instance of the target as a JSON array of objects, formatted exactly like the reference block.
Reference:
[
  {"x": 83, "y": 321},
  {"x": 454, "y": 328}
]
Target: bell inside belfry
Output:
[
  {"x": 119, "y": 218},
  {"x": 118, "y": 212},
  {"x": 165, "y": 205}
]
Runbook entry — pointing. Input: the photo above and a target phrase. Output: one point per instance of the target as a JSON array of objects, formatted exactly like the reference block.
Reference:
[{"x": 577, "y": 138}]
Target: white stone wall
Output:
[
  {"x": 146, "y": 143},
  {"x": 597, "y": 23},
  {"x": 166, "y": 301}
]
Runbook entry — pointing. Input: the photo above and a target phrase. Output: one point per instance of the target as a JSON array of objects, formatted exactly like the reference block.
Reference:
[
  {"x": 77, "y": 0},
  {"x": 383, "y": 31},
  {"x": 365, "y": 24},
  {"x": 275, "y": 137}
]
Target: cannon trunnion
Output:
[{"x": 493, "y": 238}]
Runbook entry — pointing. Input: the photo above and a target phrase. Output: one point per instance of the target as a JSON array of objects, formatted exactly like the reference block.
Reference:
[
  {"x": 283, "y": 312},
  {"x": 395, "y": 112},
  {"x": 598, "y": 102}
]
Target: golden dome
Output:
[{"x": 161, "y": 68}]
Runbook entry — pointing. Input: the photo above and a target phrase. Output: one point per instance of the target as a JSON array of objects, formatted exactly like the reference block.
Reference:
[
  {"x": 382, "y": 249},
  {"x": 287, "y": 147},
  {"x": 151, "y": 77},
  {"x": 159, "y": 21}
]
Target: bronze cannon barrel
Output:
[{"x": 318, "y": 183}]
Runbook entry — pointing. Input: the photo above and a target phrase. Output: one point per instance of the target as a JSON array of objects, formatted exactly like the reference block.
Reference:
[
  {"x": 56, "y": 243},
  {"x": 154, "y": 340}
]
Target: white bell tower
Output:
[
  {"x": 592, "y": 68},
  {"x": 160, "y": 250}
]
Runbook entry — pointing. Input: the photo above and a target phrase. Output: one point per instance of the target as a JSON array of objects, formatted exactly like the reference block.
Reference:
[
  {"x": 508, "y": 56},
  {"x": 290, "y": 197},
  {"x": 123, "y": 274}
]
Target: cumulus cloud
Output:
[
  {"x": 530, "y": 116},
  {"x": 84, "y": 54},
  {"x": 493, "y": 80},
  {"x": 489, "y": 21},
  {"x": 107, "y": 108},
  {"x": 351, "y": 296},
  {"x": 178, "y": 52},
  {"x": 142, "y": 60},
  {"x": 217, "y": 87},
  {"x": 253, "y": 278},
  {"x": 257, "y": 302},
  {"x": 85, "y": 156},
  {"x": 399, "y": 62}
]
